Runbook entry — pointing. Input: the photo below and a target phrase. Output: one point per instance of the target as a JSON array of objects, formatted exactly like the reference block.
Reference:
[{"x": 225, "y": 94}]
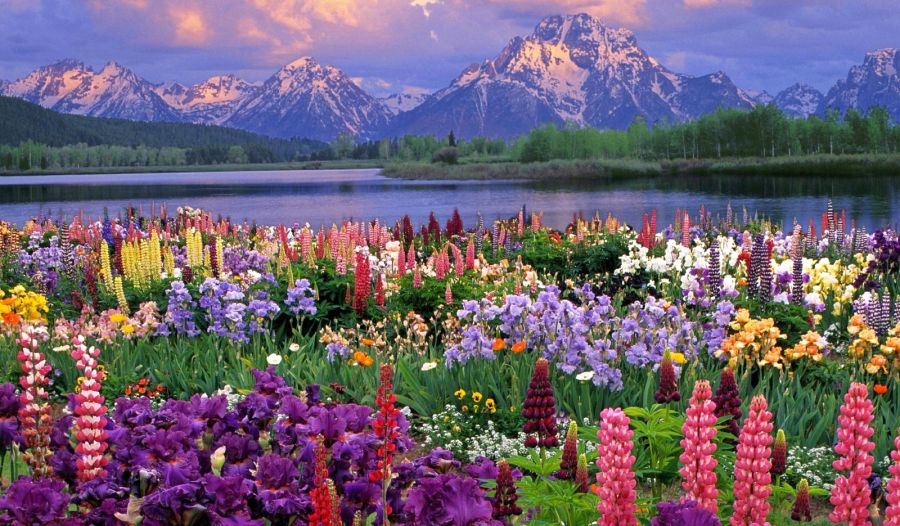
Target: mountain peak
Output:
[{"x": 305, "y": 62}]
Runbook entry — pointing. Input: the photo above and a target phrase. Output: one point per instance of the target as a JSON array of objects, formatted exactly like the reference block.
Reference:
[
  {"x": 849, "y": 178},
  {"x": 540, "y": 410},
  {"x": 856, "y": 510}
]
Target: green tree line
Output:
[{"x": 763, "y": 131}]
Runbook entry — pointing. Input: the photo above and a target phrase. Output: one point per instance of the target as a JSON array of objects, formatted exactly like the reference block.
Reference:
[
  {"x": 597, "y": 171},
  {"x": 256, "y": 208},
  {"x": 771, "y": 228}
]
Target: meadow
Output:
[{"x": 177, "y": 368}]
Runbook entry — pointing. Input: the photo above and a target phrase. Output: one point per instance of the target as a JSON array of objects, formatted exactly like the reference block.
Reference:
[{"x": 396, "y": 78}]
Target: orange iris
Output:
[
  {"x": 880, "y": 389},
  {"x": 499, "y": 344},
  {"x": 518, "y": 347}
]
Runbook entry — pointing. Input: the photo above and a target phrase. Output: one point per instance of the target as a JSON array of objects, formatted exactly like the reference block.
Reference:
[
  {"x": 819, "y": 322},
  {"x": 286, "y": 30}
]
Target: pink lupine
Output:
[
  {"x": 892, "y": 513},
  {"x": 401, "y": 263},
  {"x": 698, "y": 474},
  {"x": 417, "y": 278},
  {"x": 35, "y": 420},
  {"x": 851, "y": 495},
  {"x": 686, "y": 230},
  {"x": 459, "y": 264},
  {"x": 448, "y": 295},
  {"x": 470, "y": 255},
  {"x": 752, "y": 467},
  {"x": 90, "y": 422},
  {"x": 615, "y": 481},
  {"x": 411, "y": 256}
]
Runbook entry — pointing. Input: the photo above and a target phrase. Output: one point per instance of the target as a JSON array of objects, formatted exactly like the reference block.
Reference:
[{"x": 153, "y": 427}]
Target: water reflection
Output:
[{"x": 324, "y": 197}]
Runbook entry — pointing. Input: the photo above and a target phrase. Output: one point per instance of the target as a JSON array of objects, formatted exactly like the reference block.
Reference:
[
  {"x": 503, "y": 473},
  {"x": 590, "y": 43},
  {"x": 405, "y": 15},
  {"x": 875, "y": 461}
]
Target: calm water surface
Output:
[{"x": 329, "y": 196}]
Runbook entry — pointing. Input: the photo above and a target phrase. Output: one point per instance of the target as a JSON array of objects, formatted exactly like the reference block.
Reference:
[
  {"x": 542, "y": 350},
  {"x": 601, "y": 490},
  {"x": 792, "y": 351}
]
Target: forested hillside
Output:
[{"x": 24, "y": 121}]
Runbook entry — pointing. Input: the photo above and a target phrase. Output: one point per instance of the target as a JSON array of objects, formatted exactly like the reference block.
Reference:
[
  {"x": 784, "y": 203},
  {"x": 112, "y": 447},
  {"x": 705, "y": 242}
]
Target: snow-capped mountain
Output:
[
  {"x": 403, "y": 101},
  {"x": 799, "y": 100},
  {"x": 572, "y": 68},
  {"x": 308, "y": 99},
  {"x": 212, "y": 101},
  {"x": 759, "y": 97},
  {"x": 875, "y": 83},
  {"x": 68, "y": 86}
]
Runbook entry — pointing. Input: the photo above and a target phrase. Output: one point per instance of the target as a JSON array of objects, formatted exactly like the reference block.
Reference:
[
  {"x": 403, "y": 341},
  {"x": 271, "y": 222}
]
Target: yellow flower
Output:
[
  {"x": 490, "y": 405},
  {"x": 677, "y": 357},
  {"x": 465, "y": 409},
  {"x": 127, "y": 329},
  {"x": 456, "y": 429},
  {"x": 117, "y": 318},
  {"x": 460, "y": 393},
  {"x": 476, "y": 397}
]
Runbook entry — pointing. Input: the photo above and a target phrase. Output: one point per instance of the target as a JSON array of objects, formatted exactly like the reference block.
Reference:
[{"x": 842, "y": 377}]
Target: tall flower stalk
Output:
[
  {"x": 615, "y": 481},
  {"x": 752, "y": 477},
  {"x": 728, "y": 402},
  {"x": 851, "y": 495},
  {"x": 892, "y": 513},
  {"x": 35, "y": 420},
  {"x": 668, "y": 386},
  {"x": 386, "y": 430},
  {"x": 90, "y": 411},
  {"x": 698, "y": 472},
  {"x": 539, "y": 409}
]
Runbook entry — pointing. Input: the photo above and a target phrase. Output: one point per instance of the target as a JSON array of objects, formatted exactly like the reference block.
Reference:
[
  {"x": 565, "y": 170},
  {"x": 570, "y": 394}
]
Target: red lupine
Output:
[
  {"x": 752, "y": 477},
  {"x": 851, "y": 495},
  {"x": 668, "y": 387},
  {"x": 728, "y": 402},
  {"x": 698, "y": 472},
  {"x": 326, "y": 510},
  {"x": 505, "y": 495},
  {"x": 386, "y": 431},
  {"x": 615, "y": 481},
  {"x": 801, "y": 511},
  {"x": 539, "y": 408},
  {"x": 779, "y": 454},
  {"x": 568, "y": 464},
  {"x": 582, "y": 484}
]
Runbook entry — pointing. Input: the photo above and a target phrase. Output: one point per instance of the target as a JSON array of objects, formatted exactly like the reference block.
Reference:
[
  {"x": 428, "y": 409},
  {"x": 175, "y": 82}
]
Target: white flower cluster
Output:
[
  {"x": 812, "y": 464},
  {"x": 469, "y": 438}
]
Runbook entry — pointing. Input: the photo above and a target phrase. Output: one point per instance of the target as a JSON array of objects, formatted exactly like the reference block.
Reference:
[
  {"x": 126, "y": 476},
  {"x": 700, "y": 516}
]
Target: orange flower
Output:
[
  {"x": 11, "y": 318},
  {"x": 518, "y": 347},
  {"x": 880, "y": 389},
  {"x": 367, "y": 342},
  {"x": 363, "y": 359},
  {"x": 499, "y": 344}
]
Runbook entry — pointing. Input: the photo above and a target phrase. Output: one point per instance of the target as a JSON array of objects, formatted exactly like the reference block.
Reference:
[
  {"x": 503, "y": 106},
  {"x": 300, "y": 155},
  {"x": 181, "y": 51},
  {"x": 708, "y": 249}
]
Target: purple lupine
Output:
[
  {"x": 757, "y": 260},
  {"x": 715, "y": 268}
]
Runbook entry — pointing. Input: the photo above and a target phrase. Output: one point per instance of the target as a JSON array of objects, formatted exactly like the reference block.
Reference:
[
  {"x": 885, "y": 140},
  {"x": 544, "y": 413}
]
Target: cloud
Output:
[
  {"x": 760, "y": 43},
  {"x": 714, "y": 3},
  {"x": 190, "y": 26},
  {"x": 626, "y": 12}
]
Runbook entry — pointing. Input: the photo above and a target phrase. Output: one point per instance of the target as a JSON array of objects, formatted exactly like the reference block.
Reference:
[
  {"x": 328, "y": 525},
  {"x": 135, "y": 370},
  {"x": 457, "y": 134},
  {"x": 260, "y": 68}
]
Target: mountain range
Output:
[{"x": 570, "y": 69}]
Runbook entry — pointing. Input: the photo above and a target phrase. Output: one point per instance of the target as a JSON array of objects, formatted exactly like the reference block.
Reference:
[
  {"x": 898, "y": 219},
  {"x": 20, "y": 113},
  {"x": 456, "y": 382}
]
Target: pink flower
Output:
[
  {"x": 752, "y": 467},
  {"x": 90, "y": 422},
  {"x": 35, "y": 420},
  {"x": 698, "y": 473},
  {"x": 616, "y": 480},
  {"x": 892, "y": 513},
  {"x": 851, "y": 495}
]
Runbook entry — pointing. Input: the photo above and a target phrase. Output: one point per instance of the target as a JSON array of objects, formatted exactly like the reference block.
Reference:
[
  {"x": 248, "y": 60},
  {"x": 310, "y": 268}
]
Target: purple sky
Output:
[{"x": 388, "y": 45}]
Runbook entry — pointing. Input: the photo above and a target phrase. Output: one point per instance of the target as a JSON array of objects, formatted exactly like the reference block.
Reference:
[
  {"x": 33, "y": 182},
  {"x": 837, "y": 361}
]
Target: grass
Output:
[
  {"x": 812, "y": 165},
  {"x": 242, "y": 167},
  {"x": 562, "y": 169}
]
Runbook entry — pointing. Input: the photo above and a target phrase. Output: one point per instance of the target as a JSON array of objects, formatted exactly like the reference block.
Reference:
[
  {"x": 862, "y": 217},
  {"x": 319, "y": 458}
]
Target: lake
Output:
[{"x": 329, "y": 196}]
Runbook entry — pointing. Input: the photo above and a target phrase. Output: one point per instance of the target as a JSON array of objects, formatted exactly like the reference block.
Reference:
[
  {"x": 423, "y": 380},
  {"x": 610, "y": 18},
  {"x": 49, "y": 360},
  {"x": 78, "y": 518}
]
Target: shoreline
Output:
[
  {"x": 348, "y": 164},
  {"x": 851, "y": 165}
]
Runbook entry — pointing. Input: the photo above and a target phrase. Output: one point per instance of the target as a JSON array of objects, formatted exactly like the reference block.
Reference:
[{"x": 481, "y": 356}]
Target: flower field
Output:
[{"x": 182, "y": 369}]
